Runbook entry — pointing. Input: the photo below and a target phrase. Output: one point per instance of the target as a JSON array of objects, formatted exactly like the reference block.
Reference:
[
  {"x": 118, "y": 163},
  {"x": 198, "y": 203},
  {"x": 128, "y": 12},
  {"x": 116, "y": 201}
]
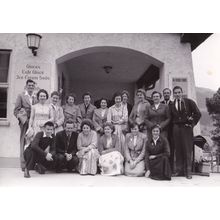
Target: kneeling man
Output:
[
  {"x": 66, "y": 148},
  {"x": 40, "y": 155}
]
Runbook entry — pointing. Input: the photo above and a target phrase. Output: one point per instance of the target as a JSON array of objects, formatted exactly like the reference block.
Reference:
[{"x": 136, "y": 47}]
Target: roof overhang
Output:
[{"x": 195, "y": 39}]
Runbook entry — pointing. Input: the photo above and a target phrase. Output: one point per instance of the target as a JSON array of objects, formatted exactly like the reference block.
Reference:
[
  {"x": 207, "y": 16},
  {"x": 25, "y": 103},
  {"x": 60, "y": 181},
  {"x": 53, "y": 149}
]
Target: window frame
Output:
[{"x": 4, "y": 121}]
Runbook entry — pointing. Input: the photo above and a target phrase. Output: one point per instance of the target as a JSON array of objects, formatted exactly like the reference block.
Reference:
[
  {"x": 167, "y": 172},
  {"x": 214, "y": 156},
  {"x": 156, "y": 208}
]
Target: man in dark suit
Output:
[
  {"x": 185, "y": 115},
  {"x": 66, "y": 148},
  {"x": 166, "y": 100},
  {"x": 40, "y": 155},
  {"x": 22, "y": 112}
]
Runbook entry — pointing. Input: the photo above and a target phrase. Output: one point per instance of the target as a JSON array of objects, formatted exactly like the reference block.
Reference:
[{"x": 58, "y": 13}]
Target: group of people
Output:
[{"x": 148, "y": 139}]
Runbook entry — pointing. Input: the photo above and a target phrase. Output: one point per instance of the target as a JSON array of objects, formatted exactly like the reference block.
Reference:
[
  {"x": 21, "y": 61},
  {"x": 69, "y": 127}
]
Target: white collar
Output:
[
  {"x": 155, "y": 140},
  {"x": 44, "y": 135},
  {"x": 26, "y": 93}
]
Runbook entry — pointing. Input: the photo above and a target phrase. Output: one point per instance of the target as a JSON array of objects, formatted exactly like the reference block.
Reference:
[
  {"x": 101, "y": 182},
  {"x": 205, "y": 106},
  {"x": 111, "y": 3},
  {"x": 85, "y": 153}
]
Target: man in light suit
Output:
[
  {"x": 22, "y": 112},
  {"x": 86, "y": 108}
]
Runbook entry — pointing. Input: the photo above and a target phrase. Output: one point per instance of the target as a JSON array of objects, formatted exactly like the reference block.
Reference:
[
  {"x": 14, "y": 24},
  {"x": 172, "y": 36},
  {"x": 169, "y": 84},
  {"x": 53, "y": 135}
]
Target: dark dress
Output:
[{"x": 159, "y": 167}]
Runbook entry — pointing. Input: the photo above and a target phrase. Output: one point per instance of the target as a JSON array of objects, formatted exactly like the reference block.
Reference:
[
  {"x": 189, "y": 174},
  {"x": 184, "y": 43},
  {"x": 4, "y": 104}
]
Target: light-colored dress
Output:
[
  {"x": 135, "y": 151},
  {"x": 40, "y": 114},
  {"x": 118, "y": 116},
  {"x": 58, "y": 117},
  {"x": 73, "y": 113},
  {"x": 111, "y": 160},
  {"x": 88, "y": 161}
]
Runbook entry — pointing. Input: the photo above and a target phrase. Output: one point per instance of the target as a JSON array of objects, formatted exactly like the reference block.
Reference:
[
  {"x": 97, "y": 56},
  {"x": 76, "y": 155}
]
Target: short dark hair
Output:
[
  {"x": 134, "y": 124},
  {"x": 42, "y": 91},
  {"x": 71, "y": 95},
  {"x": 155, "y": 126},
  {"x": 102, "y": 100},
  {"x": 49, "y": 123},
  {"x": 167, "y": 89},
  {"x": 68, "y": 121},
  {"x": 87, "y": 122},
  {"x": 156, "y": 92},
  {"x": 117, "y": 94},
  {"x": 55, "y": 93},
  {"x": 177, "y": 87},
  {"x": 30, "y": 81},
  {"x": 86, "y": 93},
  {"x": 109, "y": 124}
]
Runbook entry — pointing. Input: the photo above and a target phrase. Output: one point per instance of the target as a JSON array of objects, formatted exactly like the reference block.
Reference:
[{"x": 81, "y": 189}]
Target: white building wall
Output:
[{"x": 166, "y": 48}]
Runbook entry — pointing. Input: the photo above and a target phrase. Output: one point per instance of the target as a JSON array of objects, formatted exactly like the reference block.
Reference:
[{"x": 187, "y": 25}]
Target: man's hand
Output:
[
  {"x": 49, "y": 157},
  {"x": 151, "y": 157},
  {"x": 68, "y": 156}
]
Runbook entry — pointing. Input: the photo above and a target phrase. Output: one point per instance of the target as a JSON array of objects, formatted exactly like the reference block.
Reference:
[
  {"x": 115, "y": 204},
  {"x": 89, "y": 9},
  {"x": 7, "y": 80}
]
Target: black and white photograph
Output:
[{"x": 109, "y": 113}]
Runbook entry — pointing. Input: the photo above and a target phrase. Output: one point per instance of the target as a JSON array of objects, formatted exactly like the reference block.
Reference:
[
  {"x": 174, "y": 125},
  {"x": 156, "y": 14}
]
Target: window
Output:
[{"x": 4, "y": 66}]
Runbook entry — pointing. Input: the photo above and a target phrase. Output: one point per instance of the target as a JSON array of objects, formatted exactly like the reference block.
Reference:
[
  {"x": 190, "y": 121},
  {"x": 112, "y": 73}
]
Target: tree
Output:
[{"x": 213, "y": 107}]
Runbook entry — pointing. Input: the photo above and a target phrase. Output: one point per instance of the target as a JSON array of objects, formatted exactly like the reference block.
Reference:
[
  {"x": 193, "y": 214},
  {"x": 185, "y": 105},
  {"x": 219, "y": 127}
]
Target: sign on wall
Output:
[{"x": 38, "y": 72}]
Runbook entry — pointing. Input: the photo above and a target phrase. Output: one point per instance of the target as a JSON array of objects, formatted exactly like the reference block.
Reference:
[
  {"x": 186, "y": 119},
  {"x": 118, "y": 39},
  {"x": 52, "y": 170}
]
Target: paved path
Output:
[{"x": 14, "y": 177}]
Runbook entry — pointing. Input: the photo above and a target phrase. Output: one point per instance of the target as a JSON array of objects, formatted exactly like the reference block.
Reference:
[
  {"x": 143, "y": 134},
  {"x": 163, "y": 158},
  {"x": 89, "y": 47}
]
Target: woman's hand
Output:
[
  {"x": 151, "y": 157},
  {"x": 147, "y": 174},
  {"x": 132, "y": 164}
]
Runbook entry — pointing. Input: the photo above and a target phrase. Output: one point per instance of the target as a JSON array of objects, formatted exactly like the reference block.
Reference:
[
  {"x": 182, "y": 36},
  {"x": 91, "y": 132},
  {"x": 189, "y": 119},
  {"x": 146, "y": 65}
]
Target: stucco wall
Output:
[{"x": 164, "y": 47}]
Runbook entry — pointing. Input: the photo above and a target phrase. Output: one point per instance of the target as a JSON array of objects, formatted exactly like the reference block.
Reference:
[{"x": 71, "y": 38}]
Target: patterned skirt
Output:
[
  {"x": 111, "y": 164},
  {"x": 88, "y": 162}
]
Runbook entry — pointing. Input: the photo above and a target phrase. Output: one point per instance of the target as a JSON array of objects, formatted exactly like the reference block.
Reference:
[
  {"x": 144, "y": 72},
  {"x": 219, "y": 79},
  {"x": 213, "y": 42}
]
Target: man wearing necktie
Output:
[
  {"x": 185, "y": 115},
  {"x": 66, "y": 148}
]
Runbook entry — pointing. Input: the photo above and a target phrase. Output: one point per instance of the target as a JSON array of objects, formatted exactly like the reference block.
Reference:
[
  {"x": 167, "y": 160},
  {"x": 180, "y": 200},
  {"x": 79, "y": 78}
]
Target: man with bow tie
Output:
[{"x": 185, "y": 115}]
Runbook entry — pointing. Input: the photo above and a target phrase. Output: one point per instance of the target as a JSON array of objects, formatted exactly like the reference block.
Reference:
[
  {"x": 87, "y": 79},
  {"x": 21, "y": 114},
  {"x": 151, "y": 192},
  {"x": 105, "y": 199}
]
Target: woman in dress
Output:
[
  {"x": 135, "y": 152},
  {"x": 72, "y": 111},
  {"x": 138, "y": 112},
  {"x": 40, "y": 112},
  {"x": 158, "y": 114},
  {"x": 87, "y": 148},
  {"x": 118, "y": 116},
  {"x": 57, "y": 112},
  {"x": 157, "y": 156},
  {"x": 100, "y": 116},
  {"x": 111, "y": 160}
]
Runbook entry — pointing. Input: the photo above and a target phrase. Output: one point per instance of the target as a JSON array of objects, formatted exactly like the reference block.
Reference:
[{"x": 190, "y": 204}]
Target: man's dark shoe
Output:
[
  {"x": 26, "y": 173},
  {"x": 59, "y": 171},
  {"x": 23, "y": 169},
  {"x": 39, "y": 168},
  {"x": 188, "y": 176},
  {"x": 177, "y": 174}
]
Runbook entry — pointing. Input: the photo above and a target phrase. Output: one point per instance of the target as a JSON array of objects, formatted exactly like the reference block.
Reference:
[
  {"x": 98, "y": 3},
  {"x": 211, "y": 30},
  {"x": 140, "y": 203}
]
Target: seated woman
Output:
[
  {"x": 100, "y": 116},
  {"x": 157, "y": 156},
  {"x": 135, "y": 151},
  {"x": 111, "y": 160},
  {"x": 87, "y": 148}
]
